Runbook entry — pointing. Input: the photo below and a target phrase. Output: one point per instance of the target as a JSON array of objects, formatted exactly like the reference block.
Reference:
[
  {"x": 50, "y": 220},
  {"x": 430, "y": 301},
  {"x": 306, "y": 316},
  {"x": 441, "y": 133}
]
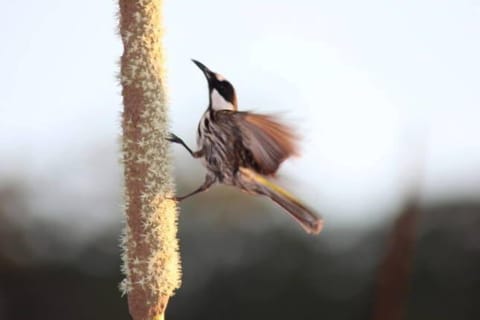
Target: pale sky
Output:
[{"x": 377, "y": 88}]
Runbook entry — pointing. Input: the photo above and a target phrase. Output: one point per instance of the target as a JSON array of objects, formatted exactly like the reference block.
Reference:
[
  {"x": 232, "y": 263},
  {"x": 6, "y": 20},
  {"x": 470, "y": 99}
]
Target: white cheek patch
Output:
[{"x": 219, "y": 103}]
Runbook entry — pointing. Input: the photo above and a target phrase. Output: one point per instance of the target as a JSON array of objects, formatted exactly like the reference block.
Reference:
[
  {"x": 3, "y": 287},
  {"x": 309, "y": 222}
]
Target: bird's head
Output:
[{"x": 221, "y": 92}]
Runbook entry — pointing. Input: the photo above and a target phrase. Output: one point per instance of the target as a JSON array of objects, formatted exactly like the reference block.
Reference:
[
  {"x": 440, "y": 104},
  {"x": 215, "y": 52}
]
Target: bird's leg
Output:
[
  {"x": 175, "y": 139},
  {"x": 209, "y": 180}
]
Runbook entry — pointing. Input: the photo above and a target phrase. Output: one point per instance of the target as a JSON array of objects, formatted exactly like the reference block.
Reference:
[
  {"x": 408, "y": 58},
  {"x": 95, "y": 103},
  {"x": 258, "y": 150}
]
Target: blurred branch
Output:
[
  {"x": 151, "y": 261},
  {"x": 393, "y": 282}
]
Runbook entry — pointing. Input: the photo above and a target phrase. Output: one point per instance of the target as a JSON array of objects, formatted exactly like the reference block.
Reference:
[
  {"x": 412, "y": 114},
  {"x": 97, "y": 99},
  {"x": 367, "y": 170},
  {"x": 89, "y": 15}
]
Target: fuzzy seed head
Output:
[{"x": 150, "y": 258}]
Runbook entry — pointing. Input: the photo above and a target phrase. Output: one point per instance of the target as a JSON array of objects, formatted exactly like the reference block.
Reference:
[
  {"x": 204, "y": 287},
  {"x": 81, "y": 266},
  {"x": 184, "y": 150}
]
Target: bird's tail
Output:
[{"x": 253, "y": 182}]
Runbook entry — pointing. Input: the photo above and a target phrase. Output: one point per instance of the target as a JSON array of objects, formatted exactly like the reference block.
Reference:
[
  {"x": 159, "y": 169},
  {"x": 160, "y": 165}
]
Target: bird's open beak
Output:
[{"x": 208, "y": 74}]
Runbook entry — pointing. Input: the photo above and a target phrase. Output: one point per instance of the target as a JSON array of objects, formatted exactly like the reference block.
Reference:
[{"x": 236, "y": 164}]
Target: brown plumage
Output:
[
  {"x": 270, "y": 141},
  {"x": 242, "y": 148}
]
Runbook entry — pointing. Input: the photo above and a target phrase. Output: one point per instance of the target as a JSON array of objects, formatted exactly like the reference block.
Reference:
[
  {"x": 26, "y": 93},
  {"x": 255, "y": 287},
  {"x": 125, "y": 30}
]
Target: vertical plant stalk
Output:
[
  {"x": 151, "y": 262},
  {"x": 393, "y": 281}
]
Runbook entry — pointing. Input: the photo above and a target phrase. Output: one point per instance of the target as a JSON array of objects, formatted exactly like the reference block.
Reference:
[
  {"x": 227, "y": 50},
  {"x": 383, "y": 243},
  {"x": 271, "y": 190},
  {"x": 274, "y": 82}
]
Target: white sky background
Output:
[{"x": 376, "y": 88}]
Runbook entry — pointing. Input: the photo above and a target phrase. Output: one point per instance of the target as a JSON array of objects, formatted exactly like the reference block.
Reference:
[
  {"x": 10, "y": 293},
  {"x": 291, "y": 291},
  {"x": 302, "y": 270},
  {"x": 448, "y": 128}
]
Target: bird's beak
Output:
[{"x": 208, "y": 74}]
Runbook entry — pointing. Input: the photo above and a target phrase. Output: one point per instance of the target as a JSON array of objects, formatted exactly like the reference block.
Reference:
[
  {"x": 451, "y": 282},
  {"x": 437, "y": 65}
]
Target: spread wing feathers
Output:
[
  {"x": 269, "y": 140},
  {"x": 252, "y": 182}
]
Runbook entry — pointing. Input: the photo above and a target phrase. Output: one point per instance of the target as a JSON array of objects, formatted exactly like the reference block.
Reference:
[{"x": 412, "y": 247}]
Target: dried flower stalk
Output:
[{"x": 150, "y": 255}]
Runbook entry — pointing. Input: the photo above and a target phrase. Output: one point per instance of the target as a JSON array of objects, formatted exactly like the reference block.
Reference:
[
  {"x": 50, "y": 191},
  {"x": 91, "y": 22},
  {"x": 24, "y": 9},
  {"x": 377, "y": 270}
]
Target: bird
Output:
[{"x": 244, "y": 149}]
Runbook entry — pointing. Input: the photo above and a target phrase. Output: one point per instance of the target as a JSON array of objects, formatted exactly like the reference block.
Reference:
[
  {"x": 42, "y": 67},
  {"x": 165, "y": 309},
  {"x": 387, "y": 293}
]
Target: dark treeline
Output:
[{"x": 233, "y": 273}]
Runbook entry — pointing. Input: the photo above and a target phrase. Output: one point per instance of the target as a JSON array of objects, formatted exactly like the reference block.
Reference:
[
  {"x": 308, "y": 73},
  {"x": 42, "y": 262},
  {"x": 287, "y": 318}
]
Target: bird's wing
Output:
[{"x": 269, "y": 140}]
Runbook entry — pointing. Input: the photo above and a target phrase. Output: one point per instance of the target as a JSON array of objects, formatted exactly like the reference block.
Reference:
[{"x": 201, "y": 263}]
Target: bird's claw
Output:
[
  {"x": 176, "y": 199},
  {"x": 173, "y": 138}
]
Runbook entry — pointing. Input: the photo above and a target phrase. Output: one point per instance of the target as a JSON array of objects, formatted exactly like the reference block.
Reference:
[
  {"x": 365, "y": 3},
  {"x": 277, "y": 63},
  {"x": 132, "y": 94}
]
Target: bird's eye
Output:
[{"x": 225, "y": 89}]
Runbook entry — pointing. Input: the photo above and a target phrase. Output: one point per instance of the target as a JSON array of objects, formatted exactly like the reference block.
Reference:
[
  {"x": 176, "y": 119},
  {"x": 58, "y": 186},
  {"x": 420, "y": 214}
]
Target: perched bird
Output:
[{"x": 241, "y": 149}]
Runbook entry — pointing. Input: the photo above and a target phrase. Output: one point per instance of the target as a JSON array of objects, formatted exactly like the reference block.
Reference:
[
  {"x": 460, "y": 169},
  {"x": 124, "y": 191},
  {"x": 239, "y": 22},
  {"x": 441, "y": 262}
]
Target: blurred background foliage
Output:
[
  {"x": 385, "y": 95},
  {"x": 240, "y": 262}
]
